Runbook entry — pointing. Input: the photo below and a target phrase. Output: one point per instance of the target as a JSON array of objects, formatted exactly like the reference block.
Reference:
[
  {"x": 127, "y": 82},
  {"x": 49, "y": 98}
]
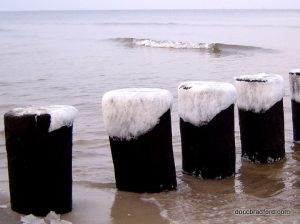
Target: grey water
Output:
[{"x": 74, "y": 57}]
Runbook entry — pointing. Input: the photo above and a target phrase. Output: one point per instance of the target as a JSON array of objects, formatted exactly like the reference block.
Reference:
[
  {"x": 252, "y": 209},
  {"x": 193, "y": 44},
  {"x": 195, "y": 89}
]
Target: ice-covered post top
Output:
[
  {"x": 129, "y": 113},
  {"x": 295, "y": 84},
  {"x": 60, "y": 115},
  {"x": 258, "y": 93},
  {"x": 199, "y": 102}
]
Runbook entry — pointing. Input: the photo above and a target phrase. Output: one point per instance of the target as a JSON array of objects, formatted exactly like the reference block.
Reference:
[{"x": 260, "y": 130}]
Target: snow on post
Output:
[
  {"x": 138, "y": 122},
  {"x": 39, "y": 154},
  {"x": 261, "y": 117},
  {"x": 206, "y": 111},
  {"x": 294, "y": 77}
]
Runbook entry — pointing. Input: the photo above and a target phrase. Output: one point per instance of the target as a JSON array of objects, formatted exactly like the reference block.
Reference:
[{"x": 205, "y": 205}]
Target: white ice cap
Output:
[
  {"x": 295, "y": 84},
  {"x": 295, "y": 71},
  {"x": 259, "y": 92},
  {"x": 61, "y": 115},
  {"x": 199, "y": 102},
  {"x": 129, "y": 113}
]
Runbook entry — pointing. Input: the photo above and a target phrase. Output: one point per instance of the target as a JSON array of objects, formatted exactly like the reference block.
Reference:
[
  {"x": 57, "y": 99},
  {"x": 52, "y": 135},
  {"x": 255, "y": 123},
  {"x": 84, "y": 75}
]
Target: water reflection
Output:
[
  {"x": 261, "y": 180},
  {"x": 198, "y": 199},
  {"x": 133, "y": 208},
  {"x": 209, "y": 187},
  {"x": 296, "y": 159}
]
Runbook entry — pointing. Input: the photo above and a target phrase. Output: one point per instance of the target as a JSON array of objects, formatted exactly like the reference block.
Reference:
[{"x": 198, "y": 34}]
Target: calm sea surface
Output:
[{"x": 75, "y": 57}]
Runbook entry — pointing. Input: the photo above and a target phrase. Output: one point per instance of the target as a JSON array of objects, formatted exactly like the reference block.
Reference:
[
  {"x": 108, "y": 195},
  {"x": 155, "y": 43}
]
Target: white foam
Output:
[
  {"x": 172, "y": 44},
  {"x": 31, "y": 219},
  {"x": 258, "y": 93},
  {"x": 129, "y": 113},
  {"x": 164, "y": 213},
  {"x": 51, "y": 218},
  {"x": 294, "y": 78},
  {"x": 254, "y": 160},
  {"x": 199, "y": 102},
  {"x": 61, "y": 115}
]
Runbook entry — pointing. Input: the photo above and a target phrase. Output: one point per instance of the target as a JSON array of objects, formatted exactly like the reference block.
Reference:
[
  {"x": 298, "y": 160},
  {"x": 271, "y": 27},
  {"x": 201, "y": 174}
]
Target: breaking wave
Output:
[{"x": 213, "y": 47}]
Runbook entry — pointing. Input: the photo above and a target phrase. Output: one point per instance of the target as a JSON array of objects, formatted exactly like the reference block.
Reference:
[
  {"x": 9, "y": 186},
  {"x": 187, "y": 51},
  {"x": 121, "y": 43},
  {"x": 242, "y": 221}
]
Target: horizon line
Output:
[{"x": 52, "y": 10}]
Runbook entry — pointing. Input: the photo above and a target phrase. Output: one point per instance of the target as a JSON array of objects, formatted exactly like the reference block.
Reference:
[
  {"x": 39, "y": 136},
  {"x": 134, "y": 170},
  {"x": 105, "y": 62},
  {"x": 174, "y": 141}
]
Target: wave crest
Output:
[
  {"x": 212, "y": 47},
  {"x": 172, "y": 44}
]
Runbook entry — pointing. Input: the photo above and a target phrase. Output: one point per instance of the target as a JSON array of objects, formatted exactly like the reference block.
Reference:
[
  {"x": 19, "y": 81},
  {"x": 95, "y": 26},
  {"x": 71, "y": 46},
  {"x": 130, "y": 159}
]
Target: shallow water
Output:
[{"x": 75, "y": 57}]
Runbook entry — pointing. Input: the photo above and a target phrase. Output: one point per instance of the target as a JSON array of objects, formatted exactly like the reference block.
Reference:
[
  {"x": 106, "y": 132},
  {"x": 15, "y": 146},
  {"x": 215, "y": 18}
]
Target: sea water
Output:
[{"x": 74, "y": 57}]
